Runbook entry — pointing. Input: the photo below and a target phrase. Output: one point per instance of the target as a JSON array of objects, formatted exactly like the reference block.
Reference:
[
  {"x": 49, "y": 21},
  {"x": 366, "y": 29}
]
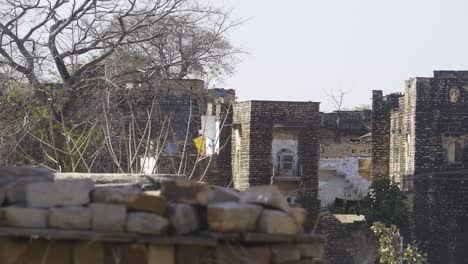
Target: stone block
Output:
[
  {"x": 88, "y": 252},
  {"x": 194, "y": 254},
  {"x": 277, "y": 222},
  {"x": 25, "y": 217},
  {"x": 232, "y": 217},
  {"x": 59, "y": 193},
  {"x": 186, "y": 191},
  {"x": 299, "y": 215},
  {"x": 221, "y": 194},
  {"x": 233, "y": 254},
  {"x": 314, "y": 249},
  {"x": 183, "y": 218},
  {"x": 2, "y": 196},
  {"x": 108, "y": 217},
  {"x": 35, "y": 251},
  {"x": 70, "y": 218},
  {"x": 132, "y": 198},
  {"x": 269, "y": 196},
  {"x": 159, "y": 254},
  {"x": 15, "y": 189},
  {"x": 146, "y": 223},
  {"x": 284, "y": 253},
  {"x": 125, "y": 253}
]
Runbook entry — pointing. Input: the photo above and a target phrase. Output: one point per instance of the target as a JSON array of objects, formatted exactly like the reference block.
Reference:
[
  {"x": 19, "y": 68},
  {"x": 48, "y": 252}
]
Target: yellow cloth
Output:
[{"x": 200, "y": 145}]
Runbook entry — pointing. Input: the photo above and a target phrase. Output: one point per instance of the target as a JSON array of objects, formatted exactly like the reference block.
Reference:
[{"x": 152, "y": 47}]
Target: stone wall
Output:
[
  {"x": 422, "y": 139},
  {"x": 253, "y": 130},
  {"x": 380, "y": 129},
  {"x": 348, "y": 242},
  {"x": 77, "y": 218}
]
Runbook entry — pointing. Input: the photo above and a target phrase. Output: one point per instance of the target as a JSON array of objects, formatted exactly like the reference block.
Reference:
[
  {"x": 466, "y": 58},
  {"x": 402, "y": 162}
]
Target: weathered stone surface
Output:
[
  {"x": 234, "y": 254},
  {"x": 88, "y": 253},
  {"x": 221, "y": 194},
  {"x": 233, "y": 217},
  {"x": 186, "y": 191},
  {"x": 70, "y": 217},
  {"x": 125, "y": 253},
  {"x": 277, "y": 222},
  {"x": 192, "y": 254},
  {"x": 16, "y": 171},
  {"x": 314, "y": 249},
  {"x": 25, "y": 217},
  {"x": 132, "y": 198},
  {"x": 146, "y": 223},
  {"x": 159, "y": 254},
  {"x": 268, "y": 195},
  {"x": 59, "y": 193},
  {"x": 15, "y": 189},
  {"x": 183, "y": 218},
  {"x": 299, "y": 215},
  {"x": 2, "y": 196},
  {"x": 108, "y": 217},
  {"x": 285, "y": 253}
]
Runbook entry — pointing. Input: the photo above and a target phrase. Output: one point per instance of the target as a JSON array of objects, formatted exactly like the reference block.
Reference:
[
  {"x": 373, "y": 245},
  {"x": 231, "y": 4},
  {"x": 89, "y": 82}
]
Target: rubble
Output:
[
  {"x": 183, "y": 218},
  {"x": 70, "y": 218},
  {"x": 59, "y": 193},
  {"x": 268, "y": 196},
  {"x": 186, "y": 191},
  {"x": 194, "y": 216},
  {"x": 108, "y": 217},
  {"x": 146, "y": 223},
  {"x": 277, "y": 222},
  {"x": 224, "y": 217}
]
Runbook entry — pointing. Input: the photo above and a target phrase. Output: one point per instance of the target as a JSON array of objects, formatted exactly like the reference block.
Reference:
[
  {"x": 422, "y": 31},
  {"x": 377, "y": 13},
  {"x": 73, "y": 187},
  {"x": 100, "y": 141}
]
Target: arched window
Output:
[
  {"x": 286, "y": 161},
  {"x": 454, "y": 152},
  {"x": 454, "y": 94}
]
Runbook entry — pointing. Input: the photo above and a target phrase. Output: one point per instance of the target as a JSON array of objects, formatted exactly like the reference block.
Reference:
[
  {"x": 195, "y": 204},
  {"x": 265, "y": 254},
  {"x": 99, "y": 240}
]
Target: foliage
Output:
[
  {"x": 384, "y": 203},
  {"x": 390, "y": 246}
]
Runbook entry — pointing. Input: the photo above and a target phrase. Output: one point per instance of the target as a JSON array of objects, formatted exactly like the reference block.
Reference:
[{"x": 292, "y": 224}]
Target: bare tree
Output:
[
  {"x": 336, "y": 98},
  {"x": 67, "y": 51}
]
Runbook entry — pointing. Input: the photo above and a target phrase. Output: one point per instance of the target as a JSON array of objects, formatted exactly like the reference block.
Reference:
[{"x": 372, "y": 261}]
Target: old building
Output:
[
  {"x": 344, "y": 157},
  {"x": 420, "y": 140},
  {"x": 275, "y": 142}
]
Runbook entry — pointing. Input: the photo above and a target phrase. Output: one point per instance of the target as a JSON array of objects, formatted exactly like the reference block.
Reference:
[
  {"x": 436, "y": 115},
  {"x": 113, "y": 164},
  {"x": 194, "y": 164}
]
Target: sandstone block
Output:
[
  {"x": 70, "y": 218},
  {"x": 186, "y": 191},
  {"x": 108, "y": 217},
  {"x": 15, "y": 189},
  {"x": 285, "y": 253},
  {"x": 233, "y": 254},
  {"x": 194, "y": 254},
  {"x": 315, "y": 249},
  {"x": 268, "y": 196},
  {"x": 299, "y": 215},
  {"x": 25, "y": 217},
  {"x": 183, "y": 218},
  {"x": 232, "y": 217},
  {"x": 125, "y": 253},
  {"x": 132, "y": 198},
  {"x": 88, "y": 253},
  {"x": 2, "y": 196},
  {"x": 221, "y": 194},
  {"x": 59, "y": 193},
  {"x": 146, "y": 223},
  {"x": 158, "y": 254},
  {"x": 277, "y": 222}
]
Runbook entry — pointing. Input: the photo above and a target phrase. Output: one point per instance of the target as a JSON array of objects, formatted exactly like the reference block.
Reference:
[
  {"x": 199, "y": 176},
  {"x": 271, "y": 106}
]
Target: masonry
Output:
[
  {"x": 420, "y": 140},
  {"x": 277, "y": 142}
]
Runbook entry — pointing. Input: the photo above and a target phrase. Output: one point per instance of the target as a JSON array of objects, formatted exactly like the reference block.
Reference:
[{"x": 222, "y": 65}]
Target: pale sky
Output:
[{"x": 300, "y": 48}]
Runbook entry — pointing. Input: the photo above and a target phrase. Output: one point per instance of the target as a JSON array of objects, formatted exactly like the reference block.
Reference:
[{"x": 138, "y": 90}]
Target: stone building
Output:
[
  {"x": 344, "y": 168},
  {"x": 276, "y": 142},
  {"x": 420, "y": 140}
]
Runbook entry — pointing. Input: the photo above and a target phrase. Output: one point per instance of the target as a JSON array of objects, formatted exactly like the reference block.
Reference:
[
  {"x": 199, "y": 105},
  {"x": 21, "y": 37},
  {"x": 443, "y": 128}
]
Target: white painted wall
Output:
[{"x": 339, "y": 178}]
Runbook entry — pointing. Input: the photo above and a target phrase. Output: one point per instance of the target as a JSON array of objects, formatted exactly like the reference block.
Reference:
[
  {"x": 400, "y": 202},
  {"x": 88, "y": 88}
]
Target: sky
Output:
[{"x": 300, "y": 50}]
